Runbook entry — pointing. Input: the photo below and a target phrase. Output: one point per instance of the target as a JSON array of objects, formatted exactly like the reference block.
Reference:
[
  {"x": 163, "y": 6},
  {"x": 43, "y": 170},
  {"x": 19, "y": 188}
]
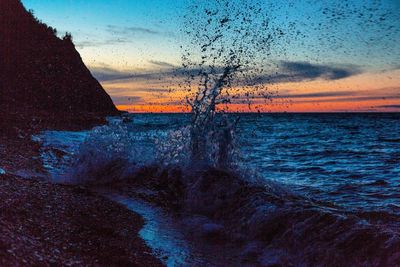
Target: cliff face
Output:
[{"x": 41, "y": 73}]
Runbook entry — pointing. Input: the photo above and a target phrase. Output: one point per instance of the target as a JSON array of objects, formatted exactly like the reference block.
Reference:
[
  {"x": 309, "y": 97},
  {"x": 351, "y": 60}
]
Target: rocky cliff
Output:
[{"x": 41, "y": 73}]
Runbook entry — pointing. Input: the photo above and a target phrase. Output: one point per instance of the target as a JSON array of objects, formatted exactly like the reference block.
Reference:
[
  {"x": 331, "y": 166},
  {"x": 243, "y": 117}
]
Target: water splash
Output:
[
  {"x": 228, "y": 47},
  {"x": 172, "y": 149},
  {"x": 111, "y": 149}
]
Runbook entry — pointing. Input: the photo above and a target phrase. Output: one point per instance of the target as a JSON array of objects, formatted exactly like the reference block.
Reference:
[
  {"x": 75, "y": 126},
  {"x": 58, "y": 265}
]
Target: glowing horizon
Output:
[{"x": 365, "y": 92}]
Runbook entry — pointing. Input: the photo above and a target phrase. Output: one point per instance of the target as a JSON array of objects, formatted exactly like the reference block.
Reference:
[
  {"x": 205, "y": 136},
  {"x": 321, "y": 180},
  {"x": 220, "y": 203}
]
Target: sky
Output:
[{"x": 336, "y": 57}]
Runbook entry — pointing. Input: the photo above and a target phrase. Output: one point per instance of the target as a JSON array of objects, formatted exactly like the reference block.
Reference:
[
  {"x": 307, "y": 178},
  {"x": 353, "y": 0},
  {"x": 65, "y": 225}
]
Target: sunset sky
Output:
[{"x": 342, "y": 57}]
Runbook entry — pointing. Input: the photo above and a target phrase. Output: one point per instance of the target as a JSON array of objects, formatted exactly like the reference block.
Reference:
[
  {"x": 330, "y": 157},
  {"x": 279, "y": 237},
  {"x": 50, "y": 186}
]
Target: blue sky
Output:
[
  {"x": 123, "y": 37},
  {"x": 122, "y": 34},
  {"x": 128, "y": 33}
]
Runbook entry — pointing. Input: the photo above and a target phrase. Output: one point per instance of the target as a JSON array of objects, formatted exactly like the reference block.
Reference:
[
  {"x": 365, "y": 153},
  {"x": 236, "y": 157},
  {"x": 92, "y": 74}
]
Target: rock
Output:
[
  {"x": 251, "y": 252},
  {"x": 126, "y": 119},
  {"x": 212, "y": 230},
  {"x": 43, "y": 74},
  {"x": 274, "y": 257}
]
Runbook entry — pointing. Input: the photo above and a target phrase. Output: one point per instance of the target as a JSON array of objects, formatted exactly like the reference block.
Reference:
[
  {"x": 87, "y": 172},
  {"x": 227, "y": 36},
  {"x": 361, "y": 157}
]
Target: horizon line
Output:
[{"x": 276, "y": 112}]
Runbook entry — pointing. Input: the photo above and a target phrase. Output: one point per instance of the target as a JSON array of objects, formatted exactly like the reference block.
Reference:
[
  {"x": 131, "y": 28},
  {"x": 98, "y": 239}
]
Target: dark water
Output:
[
  {"x": 335, "y": 199},
  {"x": 352, "y": 160}
]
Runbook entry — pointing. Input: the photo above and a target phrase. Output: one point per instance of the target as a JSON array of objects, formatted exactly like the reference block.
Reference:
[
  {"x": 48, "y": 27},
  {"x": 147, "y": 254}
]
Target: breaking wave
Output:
[{"x": 265, "y": 221}]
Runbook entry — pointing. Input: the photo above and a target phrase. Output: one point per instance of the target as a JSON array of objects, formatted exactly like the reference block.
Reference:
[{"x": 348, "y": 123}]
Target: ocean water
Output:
[
  {"x": 333, "y": 194},
  {"x": 350, "y": 160}
]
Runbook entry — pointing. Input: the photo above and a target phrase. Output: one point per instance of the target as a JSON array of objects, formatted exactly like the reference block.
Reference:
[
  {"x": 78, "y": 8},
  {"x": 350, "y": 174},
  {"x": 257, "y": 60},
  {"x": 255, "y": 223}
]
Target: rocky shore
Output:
[
  {"x": 45, "y": 224},
  {"x": 46, "y": 85}
]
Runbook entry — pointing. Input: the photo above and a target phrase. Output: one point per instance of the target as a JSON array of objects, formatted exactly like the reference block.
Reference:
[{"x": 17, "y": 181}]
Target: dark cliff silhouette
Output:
[{"x": 41, "y": 74}]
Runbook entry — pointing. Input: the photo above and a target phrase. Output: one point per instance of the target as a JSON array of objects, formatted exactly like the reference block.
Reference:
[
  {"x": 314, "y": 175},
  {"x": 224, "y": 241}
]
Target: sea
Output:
[{"x": 349, "y": 161}]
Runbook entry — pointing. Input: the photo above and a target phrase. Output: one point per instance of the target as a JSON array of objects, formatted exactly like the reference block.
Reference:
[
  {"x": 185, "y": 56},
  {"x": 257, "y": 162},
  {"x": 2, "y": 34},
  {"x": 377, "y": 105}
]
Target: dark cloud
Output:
[
  {"x": 390, "y": 68},
  {"x": 387, "y": 93},
  {"x": 318, "y": 94},
  {"x": 104, "y": 74},
  {"x": 127, "y": 100},
  {"x": 107, "y": 74},
  {"x": 311, "y": 71},
  {"x": 124, "y": 90},
  {"x": 396, "y": 67},
  {"x": 130, "y": 30},
  {"x": 121, "y": 35},
  {"x": 297, "y": 72},
  {"x": 303, "y": 71},
  {"x": 355, "y": 99},
  {"x": 162, "y": 64},
  {"x": 96, "y": 43},
  {"x": 390, "y": 93},
  {"x": 326, "y": 100},
  {"x": 288, "y": 72},
  {"x": 125, "y": 31},
  {"x": 152, "y": 76},
  {"x": 152, "y": 90},
  {"x": 389, "y": 106}
]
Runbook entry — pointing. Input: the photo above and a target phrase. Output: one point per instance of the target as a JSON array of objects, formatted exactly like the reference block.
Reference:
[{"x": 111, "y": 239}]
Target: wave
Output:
[
  {"x": 107, "y": 153},
  {"x": 267, "y": 222}
]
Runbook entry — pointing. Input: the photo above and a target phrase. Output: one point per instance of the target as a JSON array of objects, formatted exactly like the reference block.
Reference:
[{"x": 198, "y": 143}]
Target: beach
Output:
[{"x": 48, "y": 224}]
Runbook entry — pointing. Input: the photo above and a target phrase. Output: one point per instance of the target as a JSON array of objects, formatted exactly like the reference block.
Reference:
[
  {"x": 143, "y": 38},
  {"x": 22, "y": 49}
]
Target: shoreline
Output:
[{"x": 50, "y": 224}]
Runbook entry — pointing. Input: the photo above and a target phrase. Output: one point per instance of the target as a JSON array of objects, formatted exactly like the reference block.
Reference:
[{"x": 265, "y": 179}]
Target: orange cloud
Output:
[{"x": 370, "y": 91}]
